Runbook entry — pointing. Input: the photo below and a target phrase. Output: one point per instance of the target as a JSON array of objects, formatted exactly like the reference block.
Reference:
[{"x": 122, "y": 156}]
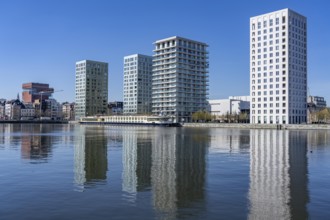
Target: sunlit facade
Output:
[
  {"x": 278, "y": 68},
  {"x": 180, "y": 77},
  {"x": 91, "y": 88}
]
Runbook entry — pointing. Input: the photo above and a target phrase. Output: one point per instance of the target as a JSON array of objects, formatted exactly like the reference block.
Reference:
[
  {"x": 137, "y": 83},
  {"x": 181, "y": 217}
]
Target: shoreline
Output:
[
  {"x": 259, "y": 126},
  {"x": 194, "y": 125},
  {"x": 33, "y": 122}
]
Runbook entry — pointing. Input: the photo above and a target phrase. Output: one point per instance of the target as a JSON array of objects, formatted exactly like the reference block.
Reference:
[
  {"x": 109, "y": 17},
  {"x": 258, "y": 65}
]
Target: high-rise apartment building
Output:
[
  {"x": 91, "y": 88},
  {"x": 278, "y": 68},
  {"x": 137, "y": 84},
  {"x": 180, "y": 77}
]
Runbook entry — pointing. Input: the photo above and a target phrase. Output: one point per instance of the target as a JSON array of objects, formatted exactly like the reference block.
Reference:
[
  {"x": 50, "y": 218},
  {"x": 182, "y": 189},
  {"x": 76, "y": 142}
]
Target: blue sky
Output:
[{"x": 41, "y": 40}]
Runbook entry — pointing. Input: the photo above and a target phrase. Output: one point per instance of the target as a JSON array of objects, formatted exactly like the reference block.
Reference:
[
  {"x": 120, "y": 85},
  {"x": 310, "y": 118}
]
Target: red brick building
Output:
[{"x": 33, "y": 91}]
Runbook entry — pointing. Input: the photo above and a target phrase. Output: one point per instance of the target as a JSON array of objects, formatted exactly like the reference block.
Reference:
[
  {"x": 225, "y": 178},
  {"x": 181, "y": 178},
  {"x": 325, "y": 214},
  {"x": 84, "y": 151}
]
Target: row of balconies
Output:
[
  {"x": 163, "y": 91},
  {"x": 163, "y": 76},
  {"x": 180, "y": 82},
  {"x": 163, "y": 72}
]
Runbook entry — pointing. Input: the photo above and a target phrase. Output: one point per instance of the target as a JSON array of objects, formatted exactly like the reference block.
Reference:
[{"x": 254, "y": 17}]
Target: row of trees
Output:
[
  {"x": 320, "y": 116},
  {"x": 203, "y": 116}
]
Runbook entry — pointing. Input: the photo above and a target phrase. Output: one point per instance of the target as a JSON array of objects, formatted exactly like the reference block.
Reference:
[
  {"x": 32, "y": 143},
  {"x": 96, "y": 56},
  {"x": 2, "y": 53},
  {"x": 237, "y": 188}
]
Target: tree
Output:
[
  {"x": 243, "y": 117},
  {"x": 201, "y": 116},
  {"x": 323, "y": 115}
]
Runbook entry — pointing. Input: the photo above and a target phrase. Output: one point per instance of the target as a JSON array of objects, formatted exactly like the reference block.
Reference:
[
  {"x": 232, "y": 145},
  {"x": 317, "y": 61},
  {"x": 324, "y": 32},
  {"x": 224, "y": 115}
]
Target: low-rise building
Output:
[
  {"x": 2, "y": 109},
  {"x": 315, "y": 104},
  {"x": 115, "y": 108},
  {"x": 316, "y": 101},
  {"x": 234, "y": 105},
  {"x": 13, "y": 109},
  {"x": 27, "y": 111},
  {"x": 52, "y": 110},
  {"x": 68, "y": 111}
]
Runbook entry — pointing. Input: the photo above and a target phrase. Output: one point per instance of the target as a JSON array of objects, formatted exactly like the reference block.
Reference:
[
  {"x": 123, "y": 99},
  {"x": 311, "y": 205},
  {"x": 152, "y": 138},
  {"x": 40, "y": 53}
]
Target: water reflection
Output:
[
  {"x": 10, "y": 135},
  {"x": 136, "y": 161},
  {"x": 2, "y": 136},
  {"x": 35, "y": 145},
  {"x": 318, "y": 139},
  {"x": 278, "y": 175},
  {"x": 232, "y": 140},
  {"x": 170, "y": 163},
  {"x": 90, "y": 156},
  {"x": 178, "y": 172},
  {"x": 164, "y": 173},
  {"x": 33, "y": 140}
]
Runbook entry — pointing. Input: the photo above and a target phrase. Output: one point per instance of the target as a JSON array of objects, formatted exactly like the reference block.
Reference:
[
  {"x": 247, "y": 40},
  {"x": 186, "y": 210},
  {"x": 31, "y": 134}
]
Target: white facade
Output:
[
  {"x": 180, "y": 77},
  {"x": 91, "y": 88},
  {"x": 28, "y": 112},
  {"x": 232, "y": 105},
  {"x": 278, "y": 68},
  {"x": 137, "y": 84},
  {"x": 318, "y": 101}
]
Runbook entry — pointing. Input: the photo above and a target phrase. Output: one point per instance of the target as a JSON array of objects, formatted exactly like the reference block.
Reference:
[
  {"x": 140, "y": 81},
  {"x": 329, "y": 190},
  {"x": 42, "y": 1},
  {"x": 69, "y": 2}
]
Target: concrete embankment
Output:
[{"x": 260, "y": 126}]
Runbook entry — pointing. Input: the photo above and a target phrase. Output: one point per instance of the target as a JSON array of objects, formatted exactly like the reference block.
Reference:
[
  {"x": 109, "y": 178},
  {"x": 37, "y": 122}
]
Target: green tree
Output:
[
  {"x": 201, "y": 116},
  {"x": 243, "y": 117}
]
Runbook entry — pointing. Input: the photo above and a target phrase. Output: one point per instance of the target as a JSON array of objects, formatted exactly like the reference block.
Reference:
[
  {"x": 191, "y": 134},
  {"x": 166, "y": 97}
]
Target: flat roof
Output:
[{"x": 180, "y": 38}]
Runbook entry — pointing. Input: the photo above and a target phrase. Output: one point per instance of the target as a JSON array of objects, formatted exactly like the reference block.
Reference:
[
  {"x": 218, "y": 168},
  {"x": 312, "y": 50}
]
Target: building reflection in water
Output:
[
  {"x": 169, "y": 163},
  {"x": 2, "y": 135},
  {"x": 278, "y": 175},
  {"x": 36, "y": 142},
  {"x": 318, "y": 139},
  {"x": 178, "y": 171},
  {"x": 232, "y": 140},
  {"x": 11, "y": 135},
  {"x": 90, "y": 156},
  {"x": 136, "y": 161}
]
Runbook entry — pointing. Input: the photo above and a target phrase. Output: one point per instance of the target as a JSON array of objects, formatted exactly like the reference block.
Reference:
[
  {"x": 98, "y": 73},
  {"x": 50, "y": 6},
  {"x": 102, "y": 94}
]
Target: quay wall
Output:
[{"x": 260, "y": 126}]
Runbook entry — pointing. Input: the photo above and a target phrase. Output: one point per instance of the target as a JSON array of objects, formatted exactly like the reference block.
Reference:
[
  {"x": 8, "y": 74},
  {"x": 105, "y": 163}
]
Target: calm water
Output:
[{"x": 95, "y": 172}]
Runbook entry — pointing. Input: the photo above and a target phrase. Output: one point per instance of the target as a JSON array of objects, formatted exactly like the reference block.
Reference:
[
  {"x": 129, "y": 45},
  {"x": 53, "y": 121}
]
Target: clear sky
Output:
[{"x": 40, "y": 40}]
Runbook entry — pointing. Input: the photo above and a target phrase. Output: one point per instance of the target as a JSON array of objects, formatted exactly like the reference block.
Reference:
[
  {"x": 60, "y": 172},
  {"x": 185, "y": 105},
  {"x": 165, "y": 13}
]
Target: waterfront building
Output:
[
  {"x": 33, "y": 91},
  {"x": 2, "y": 109},
  {"x": 137, "y": 84},
  {"x": 27, "y": 111},
  {"x": 316, "y": 101},
  {"x": 278, "y": 68},
  {"x": 13, "y": 109},
  {"x": 115, "y": 108},
  {"x": 315, "y": 104},
  {"x": 91, "y": 88},
  {"x": 52, "y": 109},
  {"x": 68, "y": 111},
  {"x": 234, "y": 105},
  {"x": 179, "y": 78}
]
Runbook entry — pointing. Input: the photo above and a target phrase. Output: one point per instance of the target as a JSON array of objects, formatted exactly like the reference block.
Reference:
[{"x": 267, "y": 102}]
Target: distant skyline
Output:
[{"x": 41, "y": 41}]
